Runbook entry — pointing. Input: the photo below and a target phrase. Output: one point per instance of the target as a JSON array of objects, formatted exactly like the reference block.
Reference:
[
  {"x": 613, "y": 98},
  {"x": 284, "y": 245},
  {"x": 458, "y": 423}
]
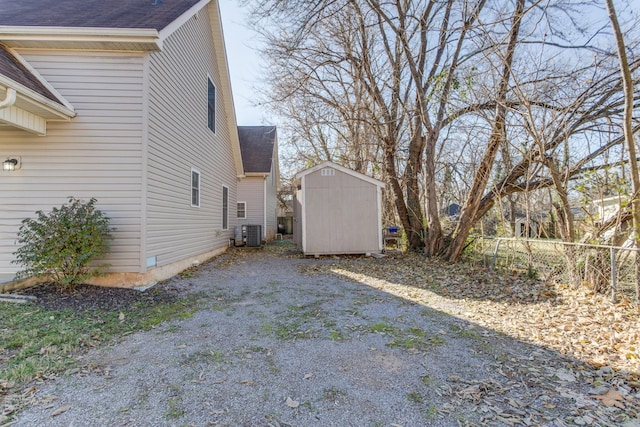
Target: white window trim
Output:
[
  {"x": 245, "y": 209},
  {"x": 222, "y": 206},
  {"x": 192, "y": 187}
]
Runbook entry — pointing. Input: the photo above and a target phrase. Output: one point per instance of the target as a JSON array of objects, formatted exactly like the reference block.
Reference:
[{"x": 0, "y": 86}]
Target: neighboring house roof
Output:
[
  {"x": 257, "y": 145},
  {"x": 328, "y": 164},
  {"x": 155, "y": 14}
]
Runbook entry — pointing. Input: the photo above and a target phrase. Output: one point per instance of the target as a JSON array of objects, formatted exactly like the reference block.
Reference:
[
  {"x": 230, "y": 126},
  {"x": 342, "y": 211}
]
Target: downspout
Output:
[{"x": 9, "y": 99}]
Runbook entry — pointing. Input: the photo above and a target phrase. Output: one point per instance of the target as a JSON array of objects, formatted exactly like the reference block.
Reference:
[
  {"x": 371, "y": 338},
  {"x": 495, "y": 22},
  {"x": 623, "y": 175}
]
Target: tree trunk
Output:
[
  {"x": 627, "y": 84},
  {"x": 434, "y": 242},
  {"x": 414, "y": 207},
  {"x": 481, "y": 177}
]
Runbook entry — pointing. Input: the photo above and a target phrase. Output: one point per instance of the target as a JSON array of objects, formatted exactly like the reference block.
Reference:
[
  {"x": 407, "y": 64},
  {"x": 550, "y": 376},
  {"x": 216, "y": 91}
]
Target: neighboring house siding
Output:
[
  {"x": 272, "y": 205},
  {"x": 297, "y": 218},
  {"x": 97, "y": 154},
  {"x": 180, "y": 140},
  {"x": 251, "y": 190},
  {"x": 340, "y": 214}
]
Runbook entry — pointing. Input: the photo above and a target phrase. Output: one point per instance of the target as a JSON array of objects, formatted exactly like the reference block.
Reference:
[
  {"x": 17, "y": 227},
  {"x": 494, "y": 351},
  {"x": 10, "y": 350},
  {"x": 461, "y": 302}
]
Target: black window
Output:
[
  {"x": 225, "y": 208},
  {"x": 211, "y": 107},
  {"x": 195, "y": 188}
]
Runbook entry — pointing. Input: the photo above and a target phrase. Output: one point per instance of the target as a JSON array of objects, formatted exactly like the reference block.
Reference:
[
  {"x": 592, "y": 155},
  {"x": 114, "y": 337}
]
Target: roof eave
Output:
[
  {"x": 146, "y": 39},
  {"x": 57, "y": 110},
  {"x": 221, "y": 56}
]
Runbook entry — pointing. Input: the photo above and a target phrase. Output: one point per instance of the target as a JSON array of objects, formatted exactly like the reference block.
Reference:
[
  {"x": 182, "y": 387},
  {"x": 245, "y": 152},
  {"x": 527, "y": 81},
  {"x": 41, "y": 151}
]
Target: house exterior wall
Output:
[
  {"x": 251, "y": 191},
  {"x": 179, "y": 140},
  {"x": 97, "y": 154},
  {"x": 340, "y": 214}
]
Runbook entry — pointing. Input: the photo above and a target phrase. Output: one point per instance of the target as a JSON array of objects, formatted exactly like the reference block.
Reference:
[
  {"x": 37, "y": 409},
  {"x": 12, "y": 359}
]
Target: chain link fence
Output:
[{"x": 608, "y": 269}]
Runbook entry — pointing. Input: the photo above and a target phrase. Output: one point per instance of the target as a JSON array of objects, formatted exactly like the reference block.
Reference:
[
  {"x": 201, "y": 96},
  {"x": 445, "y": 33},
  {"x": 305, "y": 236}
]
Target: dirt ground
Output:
[{"x": 285, "y": 341}]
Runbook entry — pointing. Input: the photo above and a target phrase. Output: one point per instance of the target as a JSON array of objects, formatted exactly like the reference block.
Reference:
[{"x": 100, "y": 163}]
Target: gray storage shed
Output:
[{"x": 337, "y": 211}]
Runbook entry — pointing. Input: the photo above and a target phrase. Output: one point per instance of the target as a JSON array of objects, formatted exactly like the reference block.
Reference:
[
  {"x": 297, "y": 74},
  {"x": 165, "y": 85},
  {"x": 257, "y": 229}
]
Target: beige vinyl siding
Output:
[
  {"x": 180, "y": 140},
  {"x": 96, "y": 154},
  {"x": 251, "y": 190},
  {"x": 340, "y": 214}
]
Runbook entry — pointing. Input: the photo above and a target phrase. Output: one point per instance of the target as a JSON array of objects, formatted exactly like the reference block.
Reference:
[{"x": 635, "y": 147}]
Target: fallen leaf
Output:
[
  {"x": 292, "y": 403},
  {"x": 60, "y": 410},
  {"x": 611, "y": 398}
]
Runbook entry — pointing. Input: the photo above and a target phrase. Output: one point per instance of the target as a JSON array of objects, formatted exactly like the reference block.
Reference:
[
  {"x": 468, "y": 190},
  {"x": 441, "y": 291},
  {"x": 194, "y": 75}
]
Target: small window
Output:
[
  {"x": 242, "y": 210},
  {"x": 225, "y": 208},
  {"x": 327, "y": 172},
  {"x": 211, "y": 107},
  {"x": 195, "y": 188}
]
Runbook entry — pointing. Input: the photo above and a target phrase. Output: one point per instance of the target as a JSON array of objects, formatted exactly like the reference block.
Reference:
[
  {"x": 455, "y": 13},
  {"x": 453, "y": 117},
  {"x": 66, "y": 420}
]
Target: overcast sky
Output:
[{"x": 244, "y": 63}]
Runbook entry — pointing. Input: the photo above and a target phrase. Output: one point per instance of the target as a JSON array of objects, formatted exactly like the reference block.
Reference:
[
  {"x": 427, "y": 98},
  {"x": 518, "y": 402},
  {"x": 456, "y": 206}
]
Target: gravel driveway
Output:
[{"x": 277, "y": 345}]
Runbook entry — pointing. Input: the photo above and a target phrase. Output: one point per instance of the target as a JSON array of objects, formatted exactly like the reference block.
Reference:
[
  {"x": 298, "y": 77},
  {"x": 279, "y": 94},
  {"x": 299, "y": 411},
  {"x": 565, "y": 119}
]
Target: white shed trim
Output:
[
  {"x": 303, "y": 226},
  {"x": 329, "y": 164}
]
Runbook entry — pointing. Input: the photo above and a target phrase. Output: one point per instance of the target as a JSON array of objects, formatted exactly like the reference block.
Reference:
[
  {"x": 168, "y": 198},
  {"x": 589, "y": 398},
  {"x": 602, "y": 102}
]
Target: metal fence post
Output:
[
  {"x": 492, "y": 267},
  {"x": 614, "y": 275}
]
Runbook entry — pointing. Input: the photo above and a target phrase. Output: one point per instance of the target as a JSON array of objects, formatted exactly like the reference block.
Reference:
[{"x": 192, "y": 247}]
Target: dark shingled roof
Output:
[
  {"x": 12, "y": 68},
  {"x": 256, "y": 145},
  {"x": 155, "y": 14}
]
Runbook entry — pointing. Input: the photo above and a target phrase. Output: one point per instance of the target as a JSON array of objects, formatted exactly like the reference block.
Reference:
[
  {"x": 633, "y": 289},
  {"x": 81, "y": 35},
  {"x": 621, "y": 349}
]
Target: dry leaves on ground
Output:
[{"x": 576, "y": 323}]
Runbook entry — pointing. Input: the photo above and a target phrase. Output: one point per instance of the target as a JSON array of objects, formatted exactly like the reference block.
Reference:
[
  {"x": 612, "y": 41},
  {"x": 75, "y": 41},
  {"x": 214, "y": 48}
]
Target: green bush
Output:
[{"x": 62, "y": 244}]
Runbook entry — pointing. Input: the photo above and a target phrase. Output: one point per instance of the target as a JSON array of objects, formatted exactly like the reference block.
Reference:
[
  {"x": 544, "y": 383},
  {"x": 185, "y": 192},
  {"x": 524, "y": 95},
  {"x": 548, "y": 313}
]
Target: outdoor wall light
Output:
[{"x": 11, "y": 164}]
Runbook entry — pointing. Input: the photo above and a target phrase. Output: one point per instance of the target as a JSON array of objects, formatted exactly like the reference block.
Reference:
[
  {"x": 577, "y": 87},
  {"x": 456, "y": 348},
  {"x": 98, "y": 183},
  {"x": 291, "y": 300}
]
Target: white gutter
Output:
[
  {"x": 56, "y": 108},
  {"x": 9, "y": 100},
  {"x": 35, "y": 37}
]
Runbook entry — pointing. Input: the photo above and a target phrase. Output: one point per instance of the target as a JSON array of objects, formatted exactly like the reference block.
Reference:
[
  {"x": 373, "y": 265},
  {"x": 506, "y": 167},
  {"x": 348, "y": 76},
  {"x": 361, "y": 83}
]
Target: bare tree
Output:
[
  {"x": 483, "y": 172},
  {"x": 428, "y": 94},
  {"x": 628, "y": 89}
]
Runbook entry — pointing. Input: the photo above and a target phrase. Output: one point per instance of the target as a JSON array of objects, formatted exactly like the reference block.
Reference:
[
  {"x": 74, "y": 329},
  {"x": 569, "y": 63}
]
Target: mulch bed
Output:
[{"x": 89, "y": 297}]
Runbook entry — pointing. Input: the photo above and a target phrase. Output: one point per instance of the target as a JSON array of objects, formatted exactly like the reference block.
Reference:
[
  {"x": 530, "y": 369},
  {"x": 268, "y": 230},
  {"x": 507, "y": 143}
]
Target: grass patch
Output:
[
  {"x": 175, "y": 409},
  {"x": 337, "y": 335},
  {"x": 412, "y": 338},
  {"x": 465, "y": 332},
  {"x": 415, "y": 397},
  {"x": 37, "y": 342},
  {"x": 426, "y": 380}
]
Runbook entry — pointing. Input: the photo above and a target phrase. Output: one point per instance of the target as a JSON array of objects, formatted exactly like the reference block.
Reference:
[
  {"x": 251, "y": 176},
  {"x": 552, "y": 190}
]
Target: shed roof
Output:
[
  {"x": 353, "y": 173},
  {"x": 149, "y": 14},
  {"x": 257, "y": 146}
]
